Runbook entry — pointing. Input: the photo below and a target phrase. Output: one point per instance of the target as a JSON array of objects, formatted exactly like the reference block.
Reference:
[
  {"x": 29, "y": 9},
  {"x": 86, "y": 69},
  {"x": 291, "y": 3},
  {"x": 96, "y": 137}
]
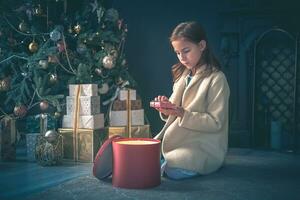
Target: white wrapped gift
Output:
[
  {"x": 88, "y": 105},
  {"x": 119, "y": 118},
  {"x": 87, "y": 121},
  {"x": 31, "y": 140},
  {"x": 123, "y": 94},
  {"x": 86, "y": 89}
]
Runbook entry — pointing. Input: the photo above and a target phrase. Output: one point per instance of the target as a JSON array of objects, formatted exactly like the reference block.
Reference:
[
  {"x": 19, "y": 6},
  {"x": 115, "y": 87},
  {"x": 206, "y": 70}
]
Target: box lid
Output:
[{"x": 102, "y": 167}]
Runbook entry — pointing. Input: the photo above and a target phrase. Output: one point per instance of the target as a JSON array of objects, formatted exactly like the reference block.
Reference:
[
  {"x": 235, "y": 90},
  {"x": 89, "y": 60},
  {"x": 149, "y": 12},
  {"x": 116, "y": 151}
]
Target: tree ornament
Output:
[
  {"x": 43, "y": 64},
  {"x": 4, "y": 84},
  {"x": 55, "y": 35},
  {"x": 81, "y": 48},
  {"x": 119, "y": 81},
  {"x": 52, "y": 59},
  {"x": 60, "y": 46},
  {"x": 104, "y": 88},
  {"x": 124, "y": 62},
  {"x": 108, "y": 62},
  {"x": 33, "y": 47},
  {"x": 20, "y": 111},
  {"x": 57, "y": 115},
  {"x": 51, "y": 136},
  {"x": 114, "y": 53},
  {"x": 77, "y": 28},
  {"x": 53, "y": 78},
  {"x": 38, "y": 10},
  {"x": 23, "y": 26},
  {"x": 98, "y": 71},
  {"x": 70, "y": 30},
  {"x": 44, "y": 105}
]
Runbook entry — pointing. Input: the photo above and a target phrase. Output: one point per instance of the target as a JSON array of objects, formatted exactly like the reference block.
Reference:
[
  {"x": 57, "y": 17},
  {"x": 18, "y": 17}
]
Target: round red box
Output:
[{"x": 136, "y": 162}]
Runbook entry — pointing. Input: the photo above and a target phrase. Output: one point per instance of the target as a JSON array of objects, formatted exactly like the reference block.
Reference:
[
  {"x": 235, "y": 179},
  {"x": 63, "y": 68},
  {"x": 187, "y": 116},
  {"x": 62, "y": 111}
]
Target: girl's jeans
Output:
[{"x": 176, "y": 173}]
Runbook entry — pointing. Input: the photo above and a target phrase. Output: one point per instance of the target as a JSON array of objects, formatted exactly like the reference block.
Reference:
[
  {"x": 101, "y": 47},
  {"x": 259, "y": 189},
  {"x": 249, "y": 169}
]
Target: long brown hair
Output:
[{"x": 193, "y": 32}]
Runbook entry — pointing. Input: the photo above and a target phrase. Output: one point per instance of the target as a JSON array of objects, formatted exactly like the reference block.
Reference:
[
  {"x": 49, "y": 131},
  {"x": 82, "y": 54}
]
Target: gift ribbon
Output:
[
  {"x": 75, "y": 122},
  {"x": 128, "y": 103},
  {"x": 110, "y": 100},
  {"x": 12, "y": 122},
  {"x": 43, "y": 123}
]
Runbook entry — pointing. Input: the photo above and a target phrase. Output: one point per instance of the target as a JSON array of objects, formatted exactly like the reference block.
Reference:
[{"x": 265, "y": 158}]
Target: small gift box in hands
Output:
[{"x": 162, "y": 105}]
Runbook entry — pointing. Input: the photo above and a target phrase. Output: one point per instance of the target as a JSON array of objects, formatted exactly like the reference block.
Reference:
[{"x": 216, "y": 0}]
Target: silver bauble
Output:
[
  {"x": 98, "y": 71},
  {"x": 81, "y": 48},
  {"x": 108, "y": 62},
  {"x": 51, "y": 135},
  {"x": 55, "y": 35},
  {"x": 43, "y": 64}
]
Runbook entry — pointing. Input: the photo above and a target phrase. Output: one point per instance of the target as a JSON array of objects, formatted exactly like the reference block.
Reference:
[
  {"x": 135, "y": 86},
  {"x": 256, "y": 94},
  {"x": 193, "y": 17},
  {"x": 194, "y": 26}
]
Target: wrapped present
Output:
[
  {"x": 87, "y": 121},
  {"x": 136, "y": 131},
  {"x": 88, "y": 105},
  {"x": 8, "y": 136},
  {"x": 121, "y": 105},
  {"x": 162, "y": 104},
  {"x": 119, "y": 118},
  {"x": 123, "y": 94},
  {"x": 40, "y": 123},
  {"x": 31, "y": 141},
  {"x": 86, "y": 90},
  {"x": 87, "y": 143},
  {"x": 49, "y": 149}
]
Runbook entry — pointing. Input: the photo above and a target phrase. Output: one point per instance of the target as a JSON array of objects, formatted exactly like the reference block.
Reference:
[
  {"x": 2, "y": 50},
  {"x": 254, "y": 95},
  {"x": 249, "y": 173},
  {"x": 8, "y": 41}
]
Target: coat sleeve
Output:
[{"x": 216, "y": 114}]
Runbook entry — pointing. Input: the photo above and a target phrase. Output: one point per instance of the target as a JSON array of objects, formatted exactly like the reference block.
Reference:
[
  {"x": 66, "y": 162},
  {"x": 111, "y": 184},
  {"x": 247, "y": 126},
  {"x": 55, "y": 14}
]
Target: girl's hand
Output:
[
  {"x": 177, "y": 111},
  {"x": 161, "y": 98}
]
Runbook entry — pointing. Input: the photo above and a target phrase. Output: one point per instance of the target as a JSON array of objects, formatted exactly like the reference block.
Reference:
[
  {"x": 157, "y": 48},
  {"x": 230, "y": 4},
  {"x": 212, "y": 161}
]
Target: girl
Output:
[{"x": 195, "y": 135}]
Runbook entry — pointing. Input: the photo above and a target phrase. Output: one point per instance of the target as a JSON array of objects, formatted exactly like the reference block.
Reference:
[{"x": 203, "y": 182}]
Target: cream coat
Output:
[{"x": 198, "y": 141}]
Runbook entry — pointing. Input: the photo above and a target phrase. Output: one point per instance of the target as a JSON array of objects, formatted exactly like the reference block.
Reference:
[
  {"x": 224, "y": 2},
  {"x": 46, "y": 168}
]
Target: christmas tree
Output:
[{"x": 47, "y": 45}]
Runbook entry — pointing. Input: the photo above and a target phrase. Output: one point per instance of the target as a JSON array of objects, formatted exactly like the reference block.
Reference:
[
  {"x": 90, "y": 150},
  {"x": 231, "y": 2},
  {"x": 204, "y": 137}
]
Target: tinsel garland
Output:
[{"x": 47, "y": 153}]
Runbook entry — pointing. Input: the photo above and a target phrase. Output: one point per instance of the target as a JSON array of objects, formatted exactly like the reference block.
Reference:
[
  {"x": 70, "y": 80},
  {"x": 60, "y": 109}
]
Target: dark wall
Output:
[
  {"x": 148, "y": 50},
  {"x": 232, "y": 27}
]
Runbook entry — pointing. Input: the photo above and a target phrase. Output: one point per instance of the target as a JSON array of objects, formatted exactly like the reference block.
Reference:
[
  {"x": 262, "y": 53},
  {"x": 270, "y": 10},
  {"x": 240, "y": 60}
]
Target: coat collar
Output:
[
  {"x": 191, "y": 85},
  {"x": 180, "y": 89}
]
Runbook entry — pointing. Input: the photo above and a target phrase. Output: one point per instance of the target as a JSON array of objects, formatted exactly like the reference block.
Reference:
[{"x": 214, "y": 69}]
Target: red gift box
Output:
[
  {"x": 133, "y": 162},
  {"x": 162, "y": 104}
]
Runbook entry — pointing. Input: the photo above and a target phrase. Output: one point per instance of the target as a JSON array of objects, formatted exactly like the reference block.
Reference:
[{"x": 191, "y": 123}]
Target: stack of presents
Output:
[{"x": 83, "y": 126}]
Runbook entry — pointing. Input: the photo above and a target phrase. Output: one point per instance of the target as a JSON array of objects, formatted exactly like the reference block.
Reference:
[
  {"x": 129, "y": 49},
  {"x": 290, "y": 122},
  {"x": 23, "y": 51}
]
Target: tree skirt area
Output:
[{"x": 247, "y": 174}]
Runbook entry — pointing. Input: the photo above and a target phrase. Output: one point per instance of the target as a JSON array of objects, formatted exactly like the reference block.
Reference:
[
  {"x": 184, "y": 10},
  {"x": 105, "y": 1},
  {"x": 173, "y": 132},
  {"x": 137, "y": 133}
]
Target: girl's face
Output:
[{"x": 188, "y": 53}]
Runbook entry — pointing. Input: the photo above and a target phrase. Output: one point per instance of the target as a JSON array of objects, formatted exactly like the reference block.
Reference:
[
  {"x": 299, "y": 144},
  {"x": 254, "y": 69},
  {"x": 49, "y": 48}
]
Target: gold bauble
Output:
[
  {"x": 57, "y": 115},
  {"x": 53, "y": 78},
  {"x": 38, "y": 10},
  {"x": 33, "y": 47},
  {"x": 77, "y": 28},
  {"x": 20, "y": 111},
  {"x": 108, "y": 62},
  {"x": 23, "y": 26},
  {"x": 104, "y": 88},
  {"x": 44, "y": 105},
  {"x": 51, "y": 135},
  {"x": 4, "y": 84}
]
